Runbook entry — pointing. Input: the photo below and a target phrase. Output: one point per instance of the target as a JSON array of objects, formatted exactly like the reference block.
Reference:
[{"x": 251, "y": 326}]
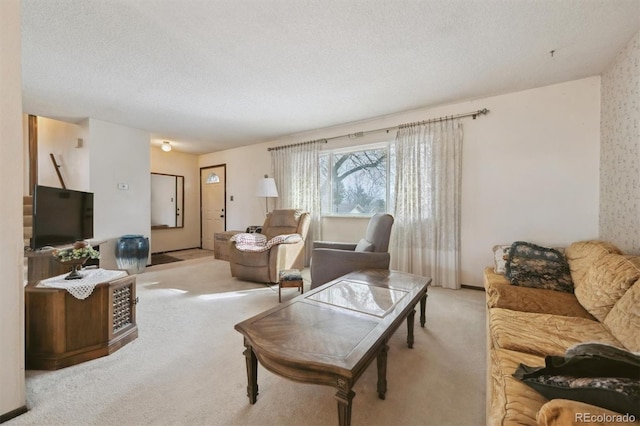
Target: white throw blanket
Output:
[
  {"x": 259, "y": 243},
  {"x": 82, "y": 288}
]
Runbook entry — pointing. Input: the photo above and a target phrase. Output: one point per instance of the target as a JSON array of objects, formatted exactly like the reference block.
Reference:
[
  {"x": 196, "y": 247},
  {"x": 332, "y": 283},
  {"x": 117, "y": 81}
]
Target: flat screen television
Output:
[{"x": 61, "y": 216}]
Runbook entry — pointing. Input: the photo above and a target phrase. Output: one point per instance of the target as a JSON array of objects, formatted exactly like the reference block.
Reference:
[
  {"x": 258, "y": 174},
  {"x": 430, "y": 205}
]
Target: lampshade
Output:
[
  {"x": 267, "y": 188},
  {"x": 166, "y": 146}
]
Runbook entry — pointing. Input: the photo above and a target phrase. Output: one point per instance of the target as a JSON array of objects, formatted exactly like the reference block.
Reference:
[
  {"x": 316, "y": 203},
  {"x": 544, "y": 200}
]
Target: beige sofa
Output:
[{"x": 526, "y": 324}]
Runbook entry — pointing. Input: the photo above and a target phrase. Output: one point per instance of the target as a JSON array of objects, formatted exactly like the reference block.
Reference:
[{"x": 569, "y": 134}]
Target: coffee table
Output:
[{"x": 330, "y": 335}]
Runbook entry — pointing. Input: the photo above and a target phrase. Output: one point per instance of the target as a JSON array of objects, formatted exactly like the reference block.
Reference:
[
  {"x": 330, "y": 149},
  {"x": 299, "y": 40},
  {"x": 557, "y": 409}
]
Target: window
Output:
[
  {"x": 213, "y": 178},
  {"x": 355, "y": 182}
]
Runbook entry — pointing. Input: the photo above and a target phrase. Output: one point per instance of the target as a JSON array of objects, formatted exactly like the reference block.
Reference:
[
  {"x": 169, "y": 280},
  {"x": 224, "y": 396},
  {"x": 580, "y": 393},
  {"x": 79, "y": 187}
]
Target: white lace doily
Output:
[{"x": 83, "y": 287}]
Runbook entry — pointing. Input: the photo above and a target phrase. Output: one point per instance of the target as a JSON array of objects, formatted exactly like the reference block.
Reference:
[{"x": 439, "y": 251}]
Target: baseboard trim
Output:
[
  {"x": 173, "y": 251},
  {"x": 472, "y": 287},
  {"x": 13, "y": 414}
]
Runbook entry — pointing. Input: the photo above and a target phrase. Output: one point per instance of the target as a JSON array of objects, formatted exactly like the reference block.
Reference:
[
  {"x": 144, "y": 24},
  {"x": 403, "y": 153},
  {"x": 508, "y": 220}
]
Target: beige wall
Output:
[
  {"x": 109, "y": 154},
  {"x": 620, "y": 150},
  {"x": 245, "y": 166},
  {"x": 343, "y": 229},
  {"x": 12, "y": 384},
  {"x": 181, "y": 164},
  {"x": 119, "y": 154},
  {"x": 61, "y": 139},
  {"x": 530, "y": 170}
]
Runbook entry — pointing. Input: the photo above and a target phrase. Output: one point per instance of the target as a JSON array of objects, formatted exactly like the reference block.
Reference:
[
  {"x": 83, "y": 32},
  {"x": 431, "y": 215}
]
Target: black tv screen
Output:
[{"x": 61, "y": 216}]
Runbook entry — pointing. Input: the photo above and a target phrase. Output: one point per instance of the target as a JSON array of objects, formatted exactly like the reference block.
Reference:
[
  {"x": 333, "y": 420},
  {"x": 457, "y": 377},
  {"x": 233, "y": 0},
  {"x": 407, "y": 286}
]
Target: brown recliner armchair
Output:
[
  {"x": 330, "y": 260},
  {"x": 264, "y": 266}
]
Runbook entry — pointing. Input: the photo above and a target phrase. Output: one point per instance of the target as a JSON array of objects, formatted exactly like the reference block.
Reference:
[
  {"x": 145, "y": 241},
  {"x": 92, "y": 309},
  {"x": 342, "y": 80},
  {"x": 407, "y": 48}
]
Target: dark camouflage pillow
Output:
[
  {"x": 530, "y": 265},
  {"x": 619, "y": 394},
  {"x": 597, "y": 374}
]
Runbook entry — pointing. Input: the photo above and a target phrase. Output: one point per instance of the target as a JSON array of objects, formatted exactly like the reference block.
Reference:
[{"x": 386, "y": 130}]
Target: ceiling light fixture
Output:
[{"x": 166, "y": 146}]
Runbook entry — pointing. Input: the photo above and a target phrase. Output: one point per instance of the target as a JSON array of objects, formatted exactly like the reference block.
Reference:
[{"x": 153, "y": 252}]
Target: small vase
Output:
[{"x": 132, "y": 253}]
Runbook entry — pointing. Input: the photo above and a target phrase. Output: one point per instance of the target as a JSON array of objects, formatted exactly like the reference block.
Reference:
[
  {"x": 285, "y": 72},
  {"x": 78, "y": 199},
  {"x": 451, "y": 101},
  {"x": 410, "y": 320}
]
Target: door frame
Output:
[{"x": 224, "y": 166}]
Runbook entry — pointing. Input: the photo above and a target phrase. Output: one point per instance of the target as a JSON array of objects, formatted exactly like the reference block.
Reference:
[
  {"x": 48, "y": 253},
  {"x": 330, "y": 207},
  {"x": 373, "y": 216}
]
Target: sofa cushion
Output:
[
  {"x": 510, "y": 400},
  {"x": 606, "y": 281},
  {"x": 561, "y": 412},
  {"x": 501, "y": 294},
  {"x": 531, "y": 265},
  {"x": 581, "y": 255},
  {"x": 623, "y": 320},
  {"x": 543, "y": 334},
  {"x": 538, "y": 300},
  {"x": 492, "y": 279}
]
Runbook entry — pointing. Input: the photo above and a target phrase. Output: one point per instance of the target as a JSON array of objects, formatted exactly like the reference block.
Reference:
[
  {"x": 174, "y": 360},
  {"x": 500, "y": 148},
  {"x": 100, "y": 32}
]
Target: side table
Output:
[
  {"x": 221, "y": 244},
  {"x": 62, "y": 330}
]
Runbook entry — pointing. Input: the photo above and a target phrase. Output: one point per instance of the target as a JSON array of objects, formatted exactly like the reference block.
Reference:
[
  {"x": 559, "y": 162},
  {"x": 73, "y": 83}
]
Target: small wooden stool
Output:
[{"x": 289, "y": 278}]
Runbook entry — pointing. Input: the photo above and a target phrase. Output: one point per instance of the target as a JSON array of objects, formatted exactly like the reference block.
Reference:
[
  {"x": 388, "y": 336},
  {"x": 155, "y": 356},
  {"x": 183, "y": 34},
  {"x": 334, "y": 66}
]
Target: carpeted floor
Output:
[
  {"x": 187, "y": 367},
  {"x": 179, "y": 255},
  {"x": 161, "y": 258},
  {"x": 189, "y": 254}
]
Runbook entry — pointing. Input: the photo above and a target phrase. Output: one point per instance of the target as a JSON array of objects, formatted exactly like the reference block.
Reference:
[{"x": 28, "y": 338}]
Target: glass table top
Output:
[{"x": 360, "y": 297}]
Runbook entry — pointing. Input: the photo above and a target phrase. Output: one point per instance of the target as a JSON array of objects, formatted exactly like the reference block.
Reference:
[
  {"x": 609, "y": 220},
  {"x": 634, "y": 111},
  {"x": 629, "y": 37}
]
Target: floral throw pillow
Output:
[
  {"x": 500, "y": 256},
  {"x": 530, "y": 265}
]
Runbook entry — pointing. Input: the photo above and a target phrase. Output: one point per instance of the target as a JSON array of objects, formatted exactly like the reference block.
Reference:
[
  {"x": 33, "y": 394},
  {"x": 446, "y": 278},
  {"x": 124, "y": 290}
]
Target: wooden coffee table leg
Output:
[
  {"x": 382, "y": 371},
  {"x": 410, "y": 320},
  {"x": 252, "y": 373},
  {"x": 423, "y": 306},
  {"x": 344, "y": 396}
]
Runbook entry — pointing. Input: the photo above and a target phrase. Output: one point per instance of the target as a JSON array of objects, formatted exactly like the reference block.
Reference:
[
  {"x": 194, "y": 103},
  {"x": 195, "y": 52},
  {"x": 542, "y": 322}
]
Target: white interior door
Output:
[{"x": 212, "y": 184}]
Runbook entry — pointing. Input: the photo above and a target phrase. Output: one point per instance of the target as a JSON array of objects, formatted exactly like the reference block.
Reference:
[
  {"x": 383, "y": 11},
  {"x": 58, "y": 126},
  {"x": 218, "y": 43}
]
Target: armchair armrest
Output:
[
  {"x": 285, "y": 256},
  {"x": 334, "y": 245},
  {"x": 329, "y": 264}
]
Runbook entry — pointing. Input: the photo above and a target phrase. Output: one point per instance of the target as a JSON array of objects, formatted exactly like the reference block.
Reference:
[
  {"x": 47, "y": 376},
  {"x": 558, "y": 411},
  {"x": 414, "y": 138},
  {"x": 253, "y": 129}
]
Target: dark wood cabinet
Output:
[
  {"x": 41, "y": 264},
  {"x": 62, "y": 330}
]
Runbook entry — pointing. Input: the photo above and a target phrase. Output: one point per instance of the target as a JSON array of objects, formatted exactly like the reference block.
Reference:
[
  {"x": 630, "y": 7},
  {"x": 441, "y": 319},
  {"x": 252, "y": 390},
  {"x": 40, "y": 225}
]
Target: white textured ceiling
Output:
[{"x": 211, "y": 75}]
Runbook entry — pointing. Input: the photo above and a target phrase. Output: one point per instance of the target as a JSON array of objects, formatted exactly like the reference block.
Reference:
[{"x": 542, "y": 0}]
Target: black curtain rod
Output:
[{"x": 473, "y": 114}]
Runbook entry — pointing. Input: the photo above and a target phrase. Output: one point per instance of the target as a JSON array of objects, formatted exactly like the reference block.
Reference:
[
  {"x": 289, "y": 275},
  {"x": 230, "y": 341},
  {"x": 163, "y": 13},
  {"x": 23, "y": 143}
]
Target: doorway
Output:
[{"x": 213, "y": 207}]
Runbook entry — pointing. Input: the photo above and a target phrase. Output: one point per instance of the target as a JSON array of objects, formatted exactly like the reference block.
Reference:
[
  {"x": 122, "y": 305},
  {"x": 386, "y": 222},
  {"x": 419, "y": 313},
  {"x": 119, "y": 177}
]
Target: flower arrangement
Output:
[{"x": 80, "y": 250}]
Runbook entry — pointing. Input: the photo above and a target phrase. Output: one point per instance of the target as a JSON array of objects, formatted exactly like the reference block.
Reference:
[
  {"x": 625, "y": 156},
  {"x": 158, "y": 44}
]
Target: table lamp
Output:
[{"x": 267, "y": 189}]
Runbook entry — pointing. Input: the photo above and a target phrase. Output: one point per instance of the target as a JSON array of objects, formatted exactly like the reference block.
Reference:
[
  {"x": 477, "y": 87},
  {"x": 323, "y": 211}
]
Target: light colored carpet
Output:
[
  {"x": 189, "y": 254},
  {"x": 187, "y": 367}
]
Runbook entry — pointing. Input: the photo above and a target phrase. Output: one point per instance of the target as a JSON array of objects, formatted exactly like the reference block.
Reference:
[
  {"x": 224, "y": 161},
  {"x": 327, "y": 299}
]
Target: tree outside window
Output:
[{"x": 355, "y": 182}]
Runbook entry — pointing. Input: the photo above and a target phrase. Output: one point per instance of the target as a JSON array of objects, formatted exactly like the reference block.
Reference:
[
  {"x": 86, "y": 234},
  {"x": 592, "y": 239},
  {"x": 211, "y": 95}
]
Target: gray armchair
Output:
[
  {"x": 331, "y": 260},
  {"x": 265, "y": 266}
]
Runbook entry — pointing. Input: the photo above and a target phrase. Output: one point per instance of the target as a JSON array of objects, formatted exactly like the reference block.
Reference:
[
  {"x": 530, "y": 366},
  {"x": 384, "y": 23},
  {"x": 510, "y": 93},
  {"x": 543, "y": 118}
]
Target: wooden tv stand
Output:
[{"x": 62, "y": 330}]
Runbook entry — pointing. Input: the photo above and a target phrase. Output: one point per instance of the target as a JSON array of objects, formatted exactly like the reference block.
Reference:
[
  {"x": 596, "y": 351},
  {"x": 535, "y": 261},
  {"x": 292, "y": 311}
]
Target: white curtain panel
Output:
[
  {"x": 426, "y": 232},
  {"x": 296, "y": 172}
]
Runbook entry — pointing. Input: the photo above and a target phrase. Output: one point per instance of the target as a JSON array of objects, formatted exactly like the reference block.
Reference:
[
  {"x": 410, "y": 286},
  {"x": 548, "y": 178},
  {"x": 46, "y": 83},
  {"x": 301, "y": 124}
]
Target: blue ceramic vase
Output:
[{"x": 132, "y": 252}]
